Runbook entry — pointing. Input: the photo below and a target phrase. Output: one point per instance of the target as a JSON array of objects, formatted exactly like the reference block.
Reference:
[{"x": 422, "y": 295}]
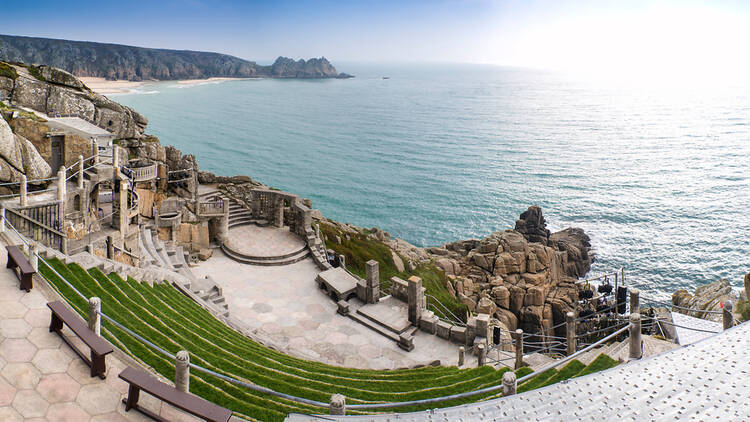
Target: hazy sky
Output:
[{"x": 629, "y": 35}]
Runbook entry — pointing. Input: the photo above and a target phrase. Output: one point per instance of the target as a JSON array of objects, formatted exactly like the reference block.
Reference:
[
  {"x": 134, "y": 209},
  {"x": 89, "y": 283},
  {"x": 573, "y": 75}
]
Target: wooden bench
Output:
[
  {"x": 99, "y": 347},
  {"x": 140, "y": 380},
  {"x": 21, "y": 267}
]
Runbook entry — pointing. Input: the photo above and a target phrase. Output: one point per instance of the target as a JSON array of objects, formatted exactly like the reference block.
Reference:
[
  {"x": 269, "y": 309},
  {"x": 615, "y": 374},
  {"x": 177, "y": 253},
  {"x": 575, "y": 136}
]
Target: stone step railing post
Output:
[
  {"x": 110, "y": 247},
  {"x": 95, "y": 151},
  {"x": 461, "y": 355},
  {"x": 80, "y": 172},
  {"x": 570, "y": 331},
  {"x": 337, "y": 405},
  {"x": 24, "y": 189},
  {"x": 636, "y": 344},
  {"x": 61, "y": 188},
  {"x": 372, "y": 278},
  {"x": 95, "y": 317},
  {"x": 519, "y": 348},
  {"x": 34, "y": 256},
  {"x": 182, "y": 371},
  {"x": 727, "y": 315},
  {"x": 342, "y": 261},
  {"x": 482, "y": 360},
  {"x": 510, "y": 383},
  {"x": 634, "y": 301}
]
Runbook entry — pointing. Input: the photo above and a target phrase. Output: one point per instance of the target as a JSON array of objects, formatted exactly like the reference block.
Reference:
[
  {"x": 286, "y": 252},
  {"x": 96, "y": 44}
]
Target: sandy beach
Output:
[{"x": 105, "y": 87}]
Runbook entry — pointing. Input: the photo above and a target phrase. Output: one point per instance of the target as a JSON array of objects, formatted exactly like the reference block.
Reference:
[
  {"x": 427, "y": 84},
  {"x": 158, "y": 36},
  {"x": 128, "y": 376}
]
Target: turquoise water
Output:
[{"x": 658, "y": 177}]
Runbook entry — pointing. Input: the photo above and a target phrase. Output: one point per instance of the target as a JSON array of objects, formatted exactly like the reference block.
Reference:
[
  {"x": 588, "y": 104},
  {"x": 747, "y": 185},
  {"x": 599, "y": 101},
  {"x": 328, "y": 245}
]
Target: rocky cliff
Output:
[
  {"x": 115, "y": 61},
  {"x": 19, "y": 157},
  {"x": 52, "y": 91}
]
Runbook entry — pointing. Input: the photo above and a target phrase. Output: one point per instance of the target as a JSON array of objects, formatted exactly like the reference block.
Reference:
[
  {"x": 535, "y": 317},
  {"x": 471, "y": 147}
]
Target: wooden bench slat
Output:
[
  {"x": 20, "y": 259},
  {"x": 190, "y": 403},
  {"x": 80, "y": 328}
]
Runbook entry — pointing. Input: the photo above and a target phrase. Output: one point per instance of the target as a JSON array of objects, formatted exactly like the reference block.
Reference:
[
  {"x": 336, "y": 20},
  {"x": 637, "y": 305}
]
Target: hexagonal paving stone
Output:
[
  {"x": 116, "y": 417},
  {"x": 80, "y": 372},
  {"x": 38, "y": 317},
  {"x": 43, "y": 339},
  {"x": 67, "y": 412},
  {"x": 34, "y": 301},
  {"x": 22, "y": 375},
  {"x": 17, "y": 350},
  {"x": 98, "y": 398},
  {"x": 7, "y": 392},
  {"x": 50, "y": 361},
  {"x": 57, "y": 388},
  {"x": 10, "y": 309},
  {"x": 30, "y": 404},
  {"x": 15, "y": 328},
  {"x": 9, "y": 414}
]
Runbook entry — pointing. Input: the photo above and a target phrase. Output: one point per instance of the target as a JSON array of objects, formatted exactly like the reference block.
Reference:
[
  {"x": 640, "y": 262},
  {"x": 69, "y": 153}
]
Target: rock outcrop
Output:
[
  {"x": 524, "y": 277},
  {"x": 54, "y": 91},
  {"x": 19, "y": 157},
  {"x": 285, "y": 67},
  {"x": 709, "y": 297}
]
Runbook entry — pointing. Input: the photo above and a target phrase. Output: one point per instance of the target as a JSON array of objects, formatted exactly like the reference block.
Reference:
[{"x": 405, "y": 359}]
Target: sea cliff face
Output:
[{"x": 115, "y": 61}]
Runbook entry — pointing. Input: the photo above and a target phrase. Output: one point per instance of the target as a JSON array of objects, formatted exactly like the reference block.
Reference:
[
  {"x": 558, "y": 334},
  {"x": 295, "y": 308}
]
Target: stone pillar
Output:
[
  {"x": 635, "y": 306},
  {"x": 570, "y": 331},
  {"x": 110, "y": 247},
  {"x": 182, "y": 371},
  {"x": 337, "y": 405},
  {"x": 34, "y": 256},
  {"x": 482, "y": 355},
  {"x": 95, "y": 317},
  {"x": 461, "y": 355},
  {"x": 115, "y": 159},
  {"x": 636, "y": 345},
  {"x": 342, "y": 261},
  {"x": 24, "y": 194},
  {"x": 80, "y": 173},
  {"x": 95, "y": 151},
  {"x": 414, "y": 291},
  {"x": 162, "y": 176},
  {"x": 519, "y": 348},
  {"x": 372, "y": 278},
  {"x": 728, "y": 316},
  {"x": 2, "y": 219},
  {"x": 123, "y": 205},
  {"x": 280, "y": 212},
  {"x": 509, "y": 383},
  {"x": 317, "y": 231},
  {"x": 61, "y": 190}
]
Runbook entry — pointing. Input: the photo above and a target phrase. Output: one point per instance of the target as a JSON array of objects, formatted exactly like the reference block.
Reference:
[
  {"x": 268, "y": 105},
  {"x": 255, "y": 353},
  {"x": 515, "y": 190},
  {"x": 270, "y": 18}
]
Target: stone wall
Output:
[{"x": 37, "y": 132}]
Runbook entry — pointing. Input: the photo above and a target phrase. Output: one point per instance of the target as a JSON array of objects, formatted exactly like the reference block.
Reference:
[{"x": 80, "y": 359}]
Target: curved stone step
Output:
[{"x": 267, "y": 261}]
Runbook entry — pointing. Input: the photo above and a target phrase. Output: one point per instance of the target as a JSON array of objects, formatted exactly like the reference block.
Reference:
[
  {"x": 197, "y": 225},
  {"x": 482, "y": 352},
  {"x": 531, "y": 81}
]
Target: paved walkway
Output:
[
  {"x": 254, "y": 241},
  {"x": 285, "y": 306},
  {"x": 42, "y": 379}
]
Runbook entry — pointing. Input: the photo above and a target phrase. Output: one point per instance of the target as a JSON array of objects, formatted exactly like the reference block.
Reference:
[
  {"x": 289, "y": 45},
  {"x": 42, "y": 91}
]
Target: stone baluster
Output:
[
  {"x": 24, "y": 195},
  {"x": 727, "y": 315},
  {"x": 80, "y": 172},
  {"x": 34, "y": 256},
  {"x": 337, "y": 405},
  {"x": 570, "y": 331},
  {"x": 95, "y": 317},
  {"x": 519, "y": 348},
  {"x": 634, "y": 301},
  {"x": 182, "y": 371},
  {"x": 636, "y": 344},
  {"x": 510, "y": 383}
]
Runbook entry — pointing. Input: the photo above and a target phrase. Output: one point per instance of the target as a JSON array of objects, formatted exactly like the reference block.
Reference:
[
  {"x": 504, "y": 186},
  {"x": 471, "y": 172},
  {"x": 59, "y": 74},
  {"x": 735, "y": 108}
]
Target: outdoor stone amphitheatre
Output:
[{"x": 117, "y": 216}]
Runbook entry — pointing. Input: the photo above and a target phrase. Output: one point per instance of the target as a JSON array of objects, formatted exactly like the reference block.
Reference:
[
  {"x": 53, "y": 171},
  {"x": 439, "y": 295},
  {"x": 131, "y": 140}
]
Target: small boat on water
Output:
[{"x": 386, "y": 77}]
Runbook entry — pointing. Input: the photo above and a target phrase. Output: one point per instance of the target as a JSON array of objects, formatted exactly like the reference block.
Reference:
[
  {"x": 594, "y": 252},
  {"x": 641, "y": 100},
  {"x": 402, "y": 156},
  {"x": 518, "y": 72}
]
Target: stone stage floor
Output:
[
  {"x": 266, "y": 241},
  {"x": 285, "y": 306}
]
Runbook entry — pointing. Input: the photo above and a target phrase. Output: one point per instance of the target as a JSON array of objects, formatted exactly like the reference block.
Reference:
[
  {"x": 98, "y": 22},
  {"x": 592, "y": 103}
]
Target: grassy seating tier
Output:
[{"x": 163, "y": 316}]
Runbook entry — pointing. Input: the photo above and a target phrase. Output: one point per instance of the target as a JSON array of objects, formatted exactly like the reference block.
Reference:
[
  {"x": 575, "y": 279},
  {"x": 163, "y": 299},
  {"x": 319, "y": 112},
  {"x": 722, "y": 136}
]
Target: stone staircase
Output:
[{"x": 268, "y": 261}]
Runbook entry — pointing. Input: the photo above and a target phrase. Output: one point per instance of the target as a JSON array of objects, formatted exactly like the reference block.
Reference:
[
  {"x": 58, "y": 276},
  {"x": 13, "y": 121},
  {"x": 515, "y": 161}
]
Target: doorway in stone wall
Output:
[{"x": 57, "y": 158}]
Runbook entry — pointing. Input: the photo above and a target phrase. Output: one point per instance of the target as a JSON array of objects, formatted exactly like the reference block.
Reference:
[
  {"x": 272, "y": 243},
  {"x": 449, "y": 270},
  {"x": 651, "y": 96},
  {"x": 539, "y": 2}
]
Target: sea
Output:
[{"x": 657, "y": 174}]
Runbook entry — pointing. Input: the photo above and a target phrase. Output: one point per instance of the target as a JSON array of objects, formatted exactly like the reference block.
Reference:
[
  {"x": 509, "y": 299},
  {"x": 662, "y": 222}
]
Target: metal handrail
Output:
[
  {"x": 456, "y": 321},
  {"x": 667, "y": 304}
]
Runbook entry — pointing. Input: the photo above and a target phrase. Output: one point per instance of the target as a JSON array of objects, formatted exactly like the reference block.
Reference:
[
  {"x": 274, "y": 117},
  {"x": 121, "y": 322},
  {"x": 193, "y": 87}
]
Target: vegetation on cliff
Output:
[{"x": 115, "y": 61}]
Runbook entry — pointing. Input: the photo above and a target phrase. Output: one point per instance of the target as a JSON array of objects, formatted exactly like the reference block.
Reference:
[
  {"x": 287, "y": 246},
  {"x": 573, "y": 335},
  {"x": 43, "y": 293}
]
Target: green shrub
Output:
[
  {"x": 36, "y": 73},
  {"x": 743, "y": 308},
  {"x": 8, "y": 71}
]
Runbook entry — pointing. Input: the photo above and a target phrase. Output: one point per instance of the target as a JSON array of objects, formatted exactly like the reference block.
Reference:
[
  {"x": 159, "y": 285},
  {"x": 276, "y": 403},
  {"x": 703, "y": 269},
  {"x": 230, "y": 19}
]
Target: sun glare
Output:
[{"x": 657, "y": 45}]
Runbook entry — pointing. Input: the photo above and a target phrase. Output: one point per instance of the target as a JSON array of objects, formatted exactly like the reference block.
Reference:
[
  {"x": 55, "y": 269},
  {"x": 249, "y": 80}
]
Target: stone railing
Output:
[
  {"x": 211, "y": 208},
  {"x": 142, "y": 174}
]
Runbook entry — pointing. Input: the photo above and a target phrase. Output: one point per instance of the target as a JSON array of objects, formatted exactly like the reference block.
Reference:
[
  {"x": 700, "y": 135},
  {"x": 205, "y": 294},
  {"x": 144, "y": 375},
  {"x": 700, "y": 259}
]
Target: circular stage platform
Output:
[{"x": 264, "y": 245}]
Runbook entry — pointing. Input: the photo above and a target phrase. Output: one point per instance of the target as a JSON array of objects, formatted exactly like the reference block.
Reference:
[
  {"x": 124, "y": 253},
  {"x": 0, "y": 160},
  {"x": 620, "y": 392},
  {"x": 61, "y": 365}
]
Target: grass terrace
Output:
[{"x": 165, "y": 317}]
